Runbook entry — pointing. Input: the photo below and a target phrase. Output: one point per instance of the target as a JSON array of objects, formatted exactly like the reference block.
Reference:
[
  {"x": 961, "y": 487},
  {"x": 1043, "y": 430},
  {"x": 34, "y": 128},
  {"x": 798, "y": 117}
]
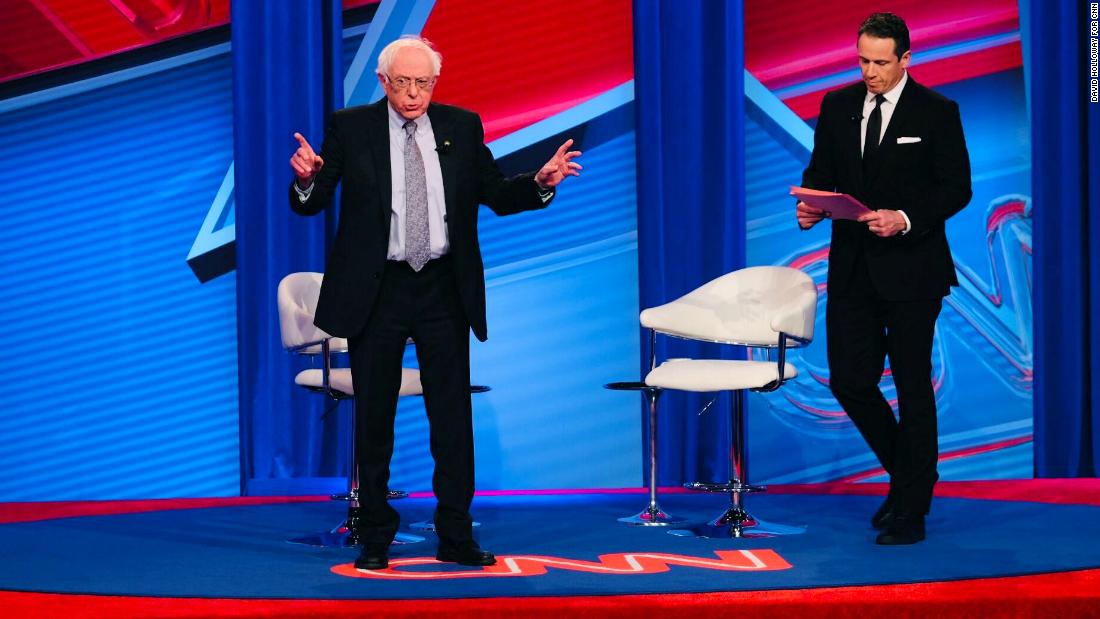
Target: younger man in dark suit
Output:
[{"x": 899, "y": 148}]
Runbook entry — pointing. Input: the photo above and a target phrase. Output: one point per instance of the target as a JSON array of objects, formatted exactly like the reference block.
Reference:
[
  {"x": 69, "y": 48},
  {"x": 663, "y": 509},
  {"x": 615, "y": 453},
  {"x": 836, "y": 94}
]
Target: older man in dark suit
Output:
[
  {"x": 899, "y": 148},
  {"x": 406, "y": 263}
]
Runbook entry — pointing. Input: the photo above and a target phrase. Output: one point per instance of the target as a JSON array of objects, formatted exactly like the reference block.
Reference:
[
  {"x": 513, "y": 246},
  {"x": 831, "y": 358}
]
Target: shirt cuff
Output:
[
  {"x": 303, "y": 194},
  {"x": 544, "y": 194},
  {"x": 908, "y": 224}
]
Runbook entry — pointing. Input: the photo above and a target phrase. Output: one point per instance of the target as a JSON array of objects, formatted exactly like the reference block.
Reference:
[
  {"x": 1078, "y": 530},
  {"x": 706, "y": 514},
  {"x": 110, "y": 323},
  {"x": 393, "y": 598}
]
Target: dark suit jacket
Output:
[
  {"x": 929, "y": 180},
  {"x": 356, "y": 149}
]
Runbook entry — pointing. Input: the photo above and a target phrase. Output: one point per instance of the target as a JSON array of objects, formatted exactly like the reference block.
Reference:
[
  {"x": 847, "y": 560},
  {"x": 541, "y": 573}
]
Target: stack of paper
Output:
[{"x": 835, "y": 205}]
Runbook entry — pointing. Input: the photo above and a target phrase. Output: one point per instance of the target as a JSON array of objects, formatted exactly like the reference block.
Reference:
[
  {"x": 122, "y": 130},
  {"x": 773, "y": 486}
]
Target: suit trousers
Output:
[
  {"x": 425, "y": 306},
  {"x": 863, "y": 330}
]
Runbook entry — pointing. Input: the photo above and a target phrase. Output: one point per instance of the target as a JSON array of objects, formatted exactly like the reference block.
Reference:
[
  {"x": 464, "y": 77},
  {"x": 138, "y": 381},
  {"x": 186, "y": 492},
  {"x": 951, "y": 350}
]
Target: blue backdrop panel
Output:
[
  {"x": 277, "y": 90},
  {"x": 691, "y": 211},
  {"x": 120, "y": 378},
  {"x": 1067, "y": 258}
]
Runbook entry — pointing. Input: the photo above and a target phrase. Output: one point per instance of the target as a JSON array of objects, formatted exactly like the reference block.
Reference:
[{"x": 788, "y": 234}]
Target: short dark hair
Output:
[{"x": 887, "y": 26}]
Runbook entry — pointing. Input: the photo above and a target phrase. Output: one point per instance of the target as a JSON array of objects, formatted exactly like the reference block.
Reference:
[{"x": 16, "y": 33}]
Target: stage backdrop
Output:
[
  {"x": 982, "y": 360},
  {"x": 120, "y": 380},
  {"x": 119, "y": 242}
]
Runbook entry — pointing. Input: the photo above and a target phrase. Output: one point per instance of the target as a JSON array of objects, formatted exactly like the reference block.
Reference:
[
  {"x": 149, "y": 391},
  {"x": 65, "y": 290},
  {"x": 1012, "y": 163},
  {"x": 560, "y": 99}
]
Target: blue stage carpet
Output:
[{"x": 556, "y": 543}]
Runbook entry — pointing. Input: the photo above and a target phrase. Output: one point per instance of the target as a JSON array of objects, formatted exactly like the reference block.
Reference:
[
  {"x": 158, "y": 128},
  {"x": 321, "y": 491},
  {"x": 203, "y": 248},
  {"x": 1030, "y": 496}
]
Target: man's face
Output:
[
  {"x": 882, "y": 70},
  {"x": 409, "y": 65}
]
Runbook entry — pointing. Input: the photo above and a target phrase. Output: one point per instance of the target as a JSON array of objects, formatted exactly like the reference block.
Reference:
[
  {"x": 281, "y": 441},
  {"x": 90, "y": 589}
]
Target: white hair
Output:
[{"x": 385, "y": 59}]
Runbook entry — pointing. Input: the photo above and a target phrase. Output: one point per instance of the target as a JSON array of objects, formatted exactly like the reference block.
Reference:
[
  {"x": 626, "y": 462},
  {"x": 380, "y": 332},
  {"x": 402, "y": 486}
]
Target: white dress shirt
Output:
[
  {"x": 433, "y": 174},
  {"x": 887, "y": 110}
]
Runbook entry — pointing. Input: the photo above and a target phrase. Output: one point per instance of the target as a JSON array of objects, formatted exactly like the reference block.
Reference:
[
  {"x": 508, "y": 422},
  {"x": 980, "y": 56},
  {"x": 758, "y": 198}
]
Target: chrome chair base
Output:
[
  {"x": 725, "y": 487},
  {"x": 735, "y": 522},
  {"x": 652, "y": 516},
  {"x": 345, "y": 537},
  {"x": 428, "y": 525},
  {"x": 394, "y": 495}
]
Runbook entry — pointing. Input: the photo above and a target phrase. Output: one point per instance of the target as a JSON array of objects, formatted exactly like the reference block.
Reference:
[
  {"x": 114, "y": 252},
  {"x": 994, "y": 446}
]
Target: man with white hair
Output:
[{"x": 406, "y": 263}]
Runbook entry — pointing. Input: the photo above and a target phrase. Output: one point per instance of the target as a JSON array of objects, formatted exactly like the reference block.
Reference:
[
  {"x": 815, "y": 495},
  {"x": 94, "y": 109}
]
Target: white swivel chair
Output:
[
  {"x": 297, "y": 301},
  {"x": 760, "y": 307}
]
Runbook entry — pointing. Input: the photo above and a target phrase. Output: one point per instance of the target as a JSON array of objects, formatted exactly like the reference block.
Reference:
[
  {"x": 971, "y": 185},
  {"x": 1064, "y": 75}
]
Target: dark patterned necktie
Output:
[
  {"x": 874, "y": 131},
  {"x": 417, "y": 236}
]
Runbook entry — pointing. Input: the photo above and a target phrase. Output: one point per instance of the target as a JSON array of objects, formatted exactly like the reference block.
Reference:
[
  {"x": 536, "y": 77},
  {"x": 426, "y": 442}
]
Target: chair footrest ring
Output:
[
  {"x": 630, "y": 385},
  {"x": 728, "y": 486}
]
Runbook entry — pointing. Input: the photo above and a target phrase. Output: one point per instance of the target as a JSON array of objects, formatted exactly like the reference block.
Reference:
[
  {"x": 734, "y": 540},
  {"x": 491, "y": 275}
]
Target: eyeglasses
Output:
[{"x": 403, "y": 83}]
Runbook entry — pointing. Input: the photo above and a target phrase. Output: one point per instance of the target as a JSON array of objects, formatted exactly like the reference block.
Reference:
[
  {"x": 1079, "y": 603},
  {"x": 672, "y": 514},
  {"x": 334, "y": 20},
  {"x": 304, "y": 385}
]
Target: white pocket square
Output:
[{"x": 908, "y": 140}]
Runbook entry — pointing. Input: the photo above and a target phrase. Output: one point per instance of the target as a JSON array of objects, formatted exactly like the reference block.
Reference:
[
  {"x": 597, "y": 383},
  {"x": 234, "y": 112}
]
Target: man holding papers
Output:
[{"x": 898, "y": 148}]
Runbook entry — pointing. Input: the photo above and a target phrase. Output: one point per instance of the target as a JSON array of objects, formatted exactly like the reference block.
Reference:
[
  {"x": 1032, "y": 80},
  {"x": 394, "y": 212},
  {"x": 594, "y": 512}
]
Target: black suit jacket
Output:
[
  {"x": 356, "y": 149},
  {"x": 928, "y": 179}
]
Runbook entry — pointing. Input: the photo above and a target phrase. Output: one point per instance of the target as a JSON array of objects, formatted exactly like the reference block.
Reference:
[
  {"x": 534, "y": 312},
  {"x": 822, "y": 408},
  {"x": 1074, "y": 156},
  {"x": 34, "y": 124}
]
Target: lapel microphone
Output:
[{"x": 444, "y": 147}]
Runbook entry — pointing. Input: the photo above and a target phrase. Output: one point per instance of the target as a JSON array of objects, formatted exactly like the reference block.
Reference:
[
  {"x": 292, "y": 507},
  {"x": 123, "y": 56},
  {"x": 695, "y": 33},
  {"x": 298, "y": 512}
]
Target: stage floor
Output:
[{"x": 549, "y": 544}]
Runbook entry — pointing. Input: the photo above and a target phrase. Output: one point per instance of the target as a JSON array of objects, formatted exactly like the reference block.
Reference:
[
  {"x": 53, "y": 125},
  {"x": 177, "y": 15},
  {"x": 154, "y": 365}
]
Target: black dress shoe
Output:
[
  {"x": 373, "y": 557},
  {"x": 464, "y": 554},
  {"x": 884, "y": 514},
  {"x": 902, "y": 529}
]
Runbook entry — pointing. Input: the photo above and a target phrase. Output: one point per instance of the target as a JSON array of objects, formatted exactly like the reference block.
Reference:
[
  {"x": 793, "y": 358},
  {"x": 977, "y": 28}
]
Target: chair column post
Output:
[
  {"x": 738, "y": 461},
  {"x": 652, "y": 515},
  {"x": 652, "y": 395},
  {"x": 736, "y": 518},
  {"x": 353, "y": 462},
  {"x": 352, "y": 522}
]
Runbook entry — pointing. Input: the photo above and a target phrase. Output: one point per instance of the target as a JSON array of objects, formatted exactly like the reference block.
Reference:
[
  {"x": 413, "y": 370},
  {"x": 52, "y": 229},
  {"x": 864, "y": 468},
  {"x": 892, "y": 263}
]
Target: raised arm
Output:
[
  {"x": 315, "y": 176},
  {"x": 523, "y": 192}
]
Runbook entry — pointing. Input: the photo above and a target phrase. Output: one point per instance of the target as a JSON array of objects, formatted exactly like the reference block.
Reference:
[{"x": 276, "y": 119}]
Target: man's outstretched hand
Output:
[
  {"x": 559, "y": 166},
  {"x": 305, "y": 162}
]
